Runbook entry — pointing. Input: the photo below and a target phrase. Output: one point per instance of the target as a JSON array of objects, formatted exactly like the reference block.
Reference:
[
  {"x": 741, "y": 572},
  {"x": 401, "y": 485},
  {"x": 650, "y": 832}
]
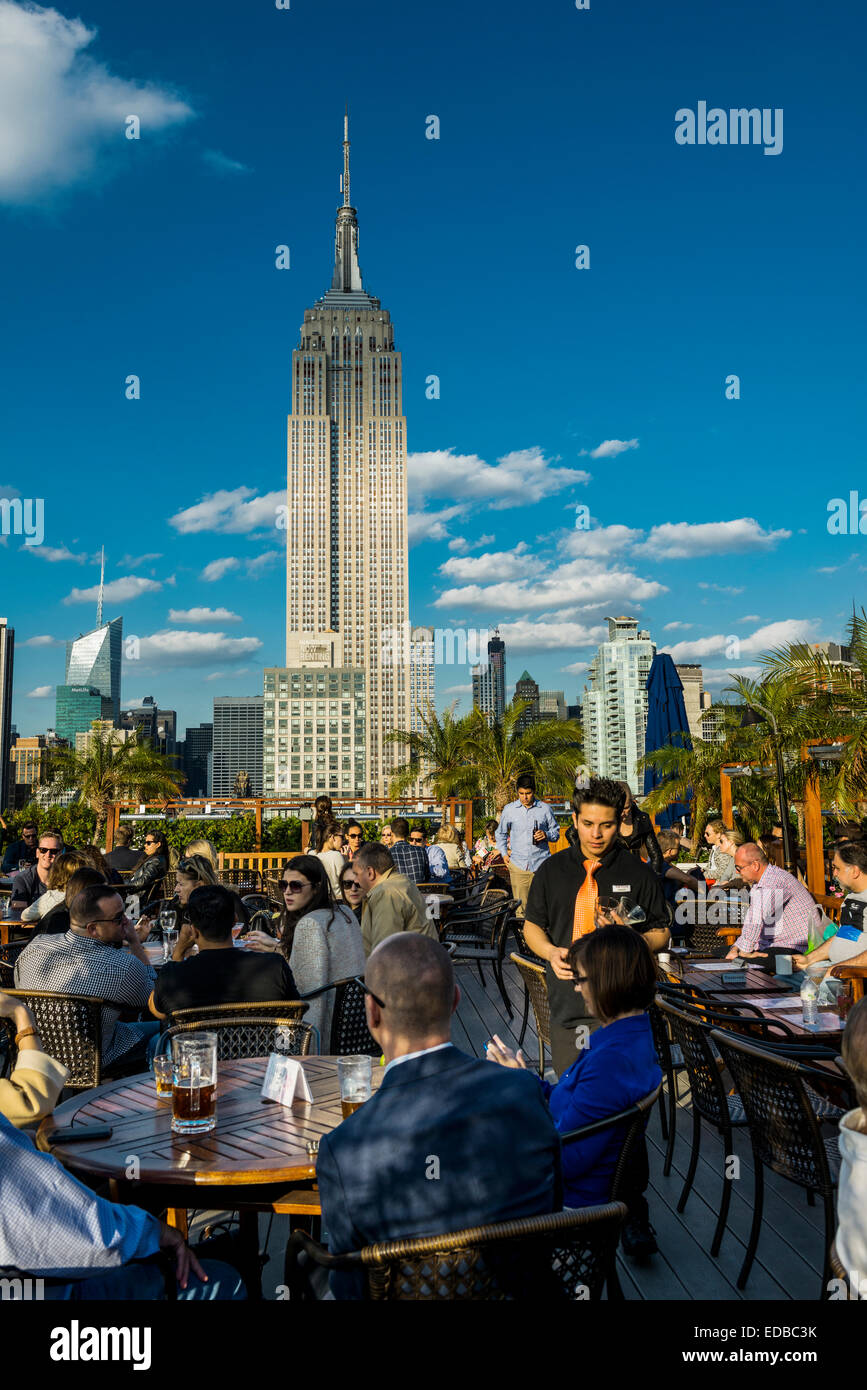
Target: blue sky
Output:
[{"x": 558, "y": 386}]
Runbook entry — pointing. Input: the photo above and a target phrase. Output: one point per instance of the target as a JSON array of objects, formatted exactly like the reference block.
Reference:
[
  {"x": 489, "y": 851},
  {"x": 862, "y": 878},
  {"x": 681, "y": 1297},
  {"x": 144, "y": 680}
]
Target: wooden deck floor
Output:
[{"x": 791, "y": 1248}]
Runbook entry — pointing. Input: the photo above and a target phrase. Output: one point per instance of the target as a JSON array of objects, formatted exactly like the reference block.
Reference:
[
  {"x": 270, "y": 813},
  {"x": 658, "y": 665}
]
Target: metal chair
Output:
[
  {"x": 784, "y": 1131},
  {"x": 70, "y": 1026},
  {"x": 254, "y": 1035},
  {"x": 260, "y": 902},
  {"x": 633, "y": 1121},
  {"x": 483, "y": 938},
  {"x": 282, "y": 1008},
  {"x": 558, "y": 1257},
  {"x": 536, "y": 993}
]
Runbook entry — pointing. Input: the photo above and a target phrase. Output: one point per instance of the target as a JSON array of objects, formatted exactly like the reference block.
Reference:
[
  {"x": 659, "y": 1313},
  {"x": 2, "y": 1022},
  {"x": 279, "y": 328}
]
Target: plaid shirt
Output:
[
  {"x": 780, "y": 913},
  {"x": 411, "y": 861},
  {"x": 54, "y": 1226},
  {"x": 73, "y": 964}
]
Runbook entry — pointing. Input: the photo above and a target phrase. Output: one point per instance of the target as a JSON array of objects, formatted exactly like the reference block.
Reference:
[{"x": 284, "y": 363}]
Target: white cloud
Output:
[
  {"x": 717, "y": 677},
  {"x": 577, "y": 582},
  {"x": 228, "y": 675},
  {"x": 203, "y": 615},
  {"x": 461, "y": 543},
  {"x": 576, "y": 668},
  {"x": 599, "y": 542},
  {"x": 493, "y": 564},
  {"x": 230, "y": 513},
  {"x": 42, "y": 692},
  {"x": 258, "y": 563},
  {"x": 217, "y": 568},
  {"x": 62, "y": 114},
  {"x": 528, "y": 636},
  {"x": 222, "y": 164},
  {"x": 750, "y": 618},
  {"x": 431, "y": 526},
  {"x": 170, "y": 648},
  {"x": 116, "y": 590},
  {"x": 55, "y": 554},
  {"x": 610, "y": 448},
  {"x": 44, "y": 640},
  {"x": 762, "y": 640},
  {"x": 458, "y": 690},
  {"x": 132, "y": 562},
  {"x": 7, "y": 490},
  {"x": 720, "y": 589},
  {"x": 515, "y": 480},
  {"x": 672, "y": 627},
  {"x": 681, "y": 540}
]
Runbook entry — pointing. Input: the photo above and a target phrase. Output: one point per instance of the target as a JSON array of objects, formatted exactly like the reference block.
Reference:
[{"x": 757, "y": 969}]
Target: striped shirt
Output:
[
  {"x": 73, "y": 964},
  {"x": 780, "y": 914}
]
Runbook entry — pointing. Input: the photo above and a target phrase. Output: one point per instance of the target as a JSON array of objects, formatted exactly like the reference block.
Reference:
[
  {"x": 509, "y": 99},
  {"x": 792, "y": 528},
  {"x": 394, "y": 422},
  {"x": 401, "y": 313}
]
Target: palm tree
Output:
[
  {"x": 692, "y": 774},
  {"x": 500, "y": 751},
  {"x": 106, "y": 771},
  {"x": 437, "y": 756}
]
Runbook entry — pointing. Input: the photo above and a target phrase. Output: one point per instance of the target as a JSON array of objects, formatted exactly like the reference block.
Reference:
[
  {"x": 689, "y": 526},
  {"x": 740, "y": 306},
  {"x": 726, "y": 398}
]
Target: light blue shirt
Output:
[
  {"x": 52, "y": 1225},
  {"x": 515, "y": 833}
]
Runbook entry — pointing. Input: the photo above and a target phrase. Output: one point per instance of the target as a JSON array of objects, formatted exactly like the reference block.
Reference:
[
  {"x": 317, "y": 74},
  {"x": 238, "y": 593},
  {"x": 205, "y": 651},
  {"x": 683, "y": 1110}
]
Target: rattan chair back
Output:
[
  {"x": 559, "y": 1257},
  {"x": 350, "y": 1035},
  {"x": 255, "y": 1035},
  {"x": 533, "y": 975},
  {"x": 688, "y": 1032},
  {"x": 243, "y": 881},
  {"x": 279, "y": 1008},
  {"x": 783, "y": 1125},
  {"x": 70, "y": 1026}
]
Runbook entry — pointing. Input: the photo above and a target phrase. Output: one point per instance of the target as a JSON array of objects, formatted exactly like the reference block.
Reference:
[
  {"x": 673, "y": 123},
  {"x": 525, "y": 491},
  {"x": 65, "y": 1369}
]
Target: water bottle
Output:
[{"x": 810, "y": 1001}]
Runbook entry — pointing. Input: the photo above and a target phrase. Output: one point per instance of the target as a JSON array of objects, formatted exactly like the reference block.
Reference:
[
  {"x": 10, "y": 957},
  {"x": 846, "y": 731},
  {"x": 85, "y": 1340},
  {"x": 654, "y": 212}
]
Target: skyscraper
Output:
[
  {"x": 527, "y": 689},
  {"x": 552, "y": 704},
  {"x": 615, "y": 703},
  {"x": 7, "y": 653},
  {"x": 237, "y": 743},
  {"x": 347, "y": 542},
  {"x": 197, "y": 744},
  {"x": 489, "y": 681},
  {"x": 692, "y": 680}
]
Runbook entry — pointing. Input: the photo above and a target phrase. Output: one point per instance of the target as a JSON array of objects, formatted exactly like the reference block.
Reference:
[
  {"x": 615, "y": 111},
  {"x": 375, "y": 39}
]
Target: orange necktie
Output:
[{"x": 584, "y": 921}]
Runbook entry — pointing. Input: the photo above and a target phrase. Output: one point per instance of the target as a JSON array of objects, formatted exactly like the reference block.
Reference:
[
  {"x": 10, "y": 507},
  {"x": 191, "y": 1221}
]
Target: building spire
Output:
[
  {"x": 347, "y": 272},
  {"x": 101, "y": 590},
  {"x": 346, "y": 198}
]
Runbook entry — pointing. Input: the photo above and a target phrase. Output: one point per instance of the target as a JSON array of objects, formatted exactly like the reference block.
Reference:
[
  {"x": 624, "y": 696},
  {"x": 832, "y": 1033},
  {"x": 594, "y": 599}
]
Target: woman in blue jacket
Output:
[{"x": 615, "y": 1067}]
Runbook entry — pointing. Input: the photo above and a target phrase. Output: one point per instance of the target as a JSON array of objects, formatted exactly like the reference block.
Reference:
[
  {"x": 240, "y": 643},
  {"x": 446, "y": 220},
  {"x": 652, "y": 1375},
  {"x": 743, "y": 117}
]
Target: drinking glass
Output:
[
  {"x": 355, "y": 1077},
  {"x": 194, "y": 1083},
  {"x": 168, "y": 924},
  {"x": 163, "y": 1076},
  {"x": 624, "y": 912}
]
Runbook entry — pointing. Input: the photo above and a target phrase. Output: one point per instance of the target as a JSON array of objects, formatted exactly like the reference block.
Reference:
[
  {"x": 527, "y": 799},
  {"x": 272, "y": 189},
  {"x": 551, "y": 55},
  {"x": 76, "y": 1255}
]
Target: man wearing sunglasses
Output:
[
  {"x": 88, "y": 959},
  {"x": 21, "y": 851},
  {"x": 31, "y": 883}
]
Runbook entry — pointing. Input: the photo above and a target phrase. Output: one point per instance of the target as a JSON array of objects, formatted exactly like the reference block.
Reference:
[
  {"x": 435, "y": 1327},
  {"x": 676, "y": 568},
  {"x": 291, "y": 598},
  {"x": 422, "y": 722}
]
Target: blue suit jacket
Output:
[{"x": 447, "y": 1141}]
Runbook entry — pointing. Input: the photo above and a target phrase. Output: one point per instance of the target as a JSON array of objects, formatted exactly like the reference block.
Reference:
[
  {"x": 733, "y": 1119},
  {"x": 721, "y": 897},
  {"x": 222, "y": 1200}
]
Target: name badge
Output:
[{"x": 621, "y": 887}]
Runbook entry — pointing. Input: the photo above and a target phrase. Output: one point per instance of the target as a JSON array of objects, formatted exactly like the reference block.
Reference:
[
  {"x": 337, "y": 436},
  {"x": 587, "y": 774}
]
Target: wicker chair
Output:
[
  {"x": 254, "y": 1035},
  {"x": 536, "y": 993},
  {"x": 8, "y": 956},
  {"x": 280, "y": 1008},
  {"x": 561, "y": 1257},
  {"x": 243, "y": 881},
  {"x": 260, "y": 902},
  {"x": 633, "y": 1122},
  {"x": 350, "y": 1035},
  {"x": 784, "y": 1131},
  {"x": 709, "y": 1102},
  {"x": 70, "y": 1026}
]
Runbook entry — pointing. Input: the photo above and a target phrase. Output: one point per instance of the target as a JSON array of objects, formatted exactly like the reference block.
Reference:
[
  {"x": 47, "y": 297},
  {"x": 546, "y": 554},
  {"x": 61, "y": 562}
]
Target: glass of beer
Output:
[
  {"x": 194, "y": 1083},
  {"x": 354, "y": 1075},
  {"x": 163, "y": 1076}
]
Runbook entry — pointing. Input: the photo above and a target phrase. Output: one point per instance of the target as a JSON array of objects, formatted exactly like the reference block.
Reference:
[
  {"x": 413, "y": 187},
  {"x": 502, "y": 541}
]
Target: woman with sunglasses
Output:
[
  {"x": 321, "y": 939},
  {"x": 350, "y": 890},
  {"x": 155, "y": 864},
  {"x": 615, "y": 973}
]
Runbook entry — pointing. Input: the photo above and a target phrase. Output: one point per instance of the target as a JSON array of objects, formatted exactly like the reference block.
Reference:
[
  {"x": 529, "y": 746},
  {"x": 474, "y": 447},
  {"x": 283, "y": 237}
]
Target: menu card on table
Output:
[{"x": 285, "y": 1080}]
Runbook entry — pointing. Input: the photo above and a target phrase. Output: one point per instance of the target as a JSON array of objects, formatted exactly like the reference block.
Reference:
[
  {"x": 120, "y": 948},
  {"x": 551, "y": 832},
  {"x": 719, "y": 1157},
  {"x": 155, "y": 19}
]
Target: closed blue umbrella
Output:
[{"x": 666, "y": 724}]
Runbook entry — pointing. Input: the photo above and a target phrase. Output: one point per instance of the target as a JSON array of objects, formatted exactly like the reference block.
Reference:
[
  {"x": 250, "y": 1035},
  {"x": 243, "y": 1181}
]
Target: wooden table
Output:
[
  {"x": 244, "y": 1164},
  {"x": 759, "y": 988}
]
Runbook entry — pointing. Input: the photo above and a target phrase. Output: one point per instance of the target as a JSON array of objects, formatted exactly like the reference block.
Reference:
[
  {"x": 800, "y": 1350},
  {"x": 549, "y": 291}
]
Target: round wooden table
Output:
[{"x": 255, "y": 1142}]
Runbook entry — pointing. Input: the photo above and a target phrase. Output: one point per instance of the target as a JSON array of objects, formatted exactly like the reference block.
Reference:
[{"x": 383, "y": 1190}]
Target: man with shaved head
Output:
[
  {"x": 448, "y": 1140},
  {"x": 781, "y": 911}
]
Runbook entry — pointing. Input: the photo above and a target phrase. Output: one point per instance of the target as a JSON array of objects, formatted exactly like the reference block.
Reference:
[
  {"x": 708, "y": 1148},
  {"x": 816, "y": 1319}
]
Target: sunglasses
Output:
[
  {"x": 415, "y": 842},
  {"x": 354, "y": 835},
  {"x": 43, "y": 849},
  {"x": 116, "y": 920},
  {"x": 151, "y": 842},
  {"x": 351, "y": 885},
  {"x": 580, "y": 979},
  {"x": 375, "y": 997},
  {"x": 293, "y": 885}
]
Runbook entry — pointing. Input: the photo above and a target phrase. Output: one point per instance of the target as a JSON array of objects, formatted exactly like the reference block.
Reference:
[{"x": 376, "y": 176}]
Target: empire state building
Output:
[{"x": 344, "y": 686}]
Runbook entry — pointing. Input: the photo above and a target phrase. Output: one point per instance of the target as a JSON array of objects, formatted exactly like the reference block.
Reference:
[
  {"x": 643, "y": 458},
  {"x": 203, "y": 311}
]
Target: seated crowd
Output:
[{"x": 353, "y": 907}]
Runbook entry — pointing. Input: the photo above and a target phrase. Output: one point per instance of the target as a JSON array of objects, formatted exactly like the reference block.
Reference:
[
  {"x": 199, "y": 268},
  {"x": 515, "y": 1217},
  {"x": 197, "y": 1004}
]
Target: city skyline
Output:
[{"x": 174, "y": 241}]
